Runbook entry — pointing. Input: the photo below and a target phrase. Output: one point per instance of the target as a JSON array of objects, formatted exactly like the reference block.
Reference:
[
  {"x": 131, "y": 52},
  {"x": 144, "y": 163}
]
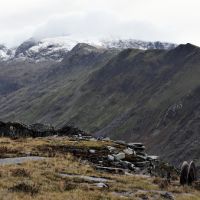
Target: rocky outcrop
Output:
[
  {"x": 188, "y": 173},
  {"x": 121, "y": 157},
  {"x": 16, "y": 129}
]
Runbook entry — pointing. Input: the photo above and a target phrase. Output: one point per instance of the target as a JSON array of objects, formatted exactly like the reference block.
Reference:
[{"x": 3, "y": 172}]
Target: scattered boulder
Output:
[
  {"x": 184, "y": 173},
  {"x": 111, "y": 149},
  {"x": 191, "y": 175},
  {"x": 167, "y": 195},
  {"x": 129, "y": 151},
  {"x": 106, "y": 139},
  {"x": 102, "y": 185},
  {"x": 111, "y": 158},
  {"x": 119, "y": 156},
  {"x": 92, "y": 151}
]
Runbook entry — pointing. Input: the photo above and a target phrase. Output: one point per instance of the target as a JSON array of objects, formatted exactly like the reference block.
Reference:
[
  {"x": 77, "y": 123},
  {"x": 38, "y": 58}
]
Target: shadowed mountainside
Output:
[{"x": 150, "y": 96}]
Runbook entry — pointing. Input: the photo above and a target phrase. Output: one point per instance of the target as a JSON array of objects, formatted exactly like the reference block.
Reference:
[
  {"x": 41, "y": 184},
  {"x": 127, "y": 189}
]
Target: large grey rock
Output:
[
  {"x": 111, "y": 158},
  {"x": 152, "y": 157},
  {"x": 92, "y": 151},
  {"x": 141, "y": 164},
  {"x": 129, "y": 151},
  {"x": 128, "y": 165},
  {"x": 106, "y": 139},
  {"x": 184, "y": 173},
  {"x": 119, "y": 156},
  {"x": 111, "y": 149},
  {"x": 135, "y": 144},
  {"x": 192, "y": 174},
  {"x": 167, "y": 195},
  {"x": 102, "y": 185},
  {"x": 111, "y": 169}
]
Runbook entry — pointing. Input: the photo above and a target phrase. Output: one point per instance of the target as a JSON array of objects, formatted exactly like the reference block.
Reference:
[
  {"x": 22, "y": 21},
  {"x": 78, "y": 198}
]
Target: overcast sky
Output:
[{"x": 165, "y": 20}]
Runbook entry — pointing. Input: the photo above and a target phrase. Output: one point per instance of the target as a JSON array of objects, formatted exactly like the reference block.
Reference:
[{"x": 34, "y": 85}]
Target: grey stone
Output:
[
  {"x": 184, "y": 172},
  {"x": 119, "y": 156},
  {"x": 128, "y": 165},
  {"x": 129, "y": 151},
  {"x": 135, "y": 144},
  {"x": 111, "y": 169},
  {"x": 111, "y": 158},
  {"x": 102, "y": 185},
  {"x": 111, "y": 149},
  {"x": 167, "y": 195},
  {"x": 192, "y": 173},
  {"x": 120, "y": 142},
  {"x": 92, "y": 151},
  {"x": 106, "y": 139},
  {"x": 152, "y": 157}
]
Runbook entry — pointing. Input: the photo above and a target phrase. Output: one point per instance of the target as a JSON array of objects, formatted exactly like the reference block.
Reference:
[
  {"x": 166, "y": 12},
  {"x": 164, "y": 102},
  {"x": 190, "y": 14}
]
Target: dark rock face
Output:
[
  {"x": 184, "y": 173},
  {"x": 192, "y": 173},
  {"x": 24, "y": 47},
  {"x": 14, "y": 129},
  {"x": 188, "y": 173}
]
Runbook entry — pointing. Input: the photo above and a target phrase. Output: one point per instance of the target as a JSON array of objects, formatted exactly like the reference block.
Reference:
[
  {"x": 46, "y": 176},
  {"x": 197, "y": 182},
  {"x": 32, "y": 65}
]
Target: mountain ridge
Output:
[
  {"x": 135, "y": 95},
  {"x": 56, "y": 48}
]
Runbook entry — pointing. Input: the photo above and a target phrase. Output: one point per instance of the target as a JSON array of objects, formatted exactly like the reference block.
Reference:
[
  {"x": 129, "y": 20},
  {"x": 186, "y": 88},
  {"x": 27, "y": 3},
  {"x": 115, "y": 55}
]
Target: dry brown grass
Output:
[{"x": 40, "y": 180}]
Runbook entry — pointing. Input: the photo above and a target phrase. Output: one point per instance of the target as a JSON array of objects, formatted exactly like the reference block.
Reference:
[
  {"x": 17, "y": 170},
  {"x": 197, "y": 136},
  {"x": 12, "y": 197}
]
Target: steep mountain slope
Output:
[
  {"x": 150, "y": 96},
  {"x": 50, "y": 86}
]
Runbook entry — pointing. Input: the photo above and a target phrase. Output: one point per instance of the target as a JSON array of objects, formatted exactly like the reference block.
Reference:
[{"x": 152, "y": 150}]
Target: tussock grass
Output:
[{"x": 40, "y": 180}]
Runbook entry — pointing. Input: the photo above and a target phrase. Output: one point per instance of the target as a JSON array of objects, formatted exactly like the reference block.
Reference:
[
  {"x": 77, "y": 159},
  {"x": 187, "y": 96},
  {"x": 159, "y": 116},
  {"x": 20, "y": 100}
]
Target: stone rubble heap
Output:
[
  {"x": 130, "y": 157},
  {"x": 121, "y": 157}
]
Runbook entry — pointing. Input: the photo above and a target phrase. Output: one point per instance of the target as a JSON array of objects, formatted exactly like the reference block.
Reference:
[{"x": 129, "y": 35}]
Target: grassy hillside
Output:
[{"x": 43, "y": 179}]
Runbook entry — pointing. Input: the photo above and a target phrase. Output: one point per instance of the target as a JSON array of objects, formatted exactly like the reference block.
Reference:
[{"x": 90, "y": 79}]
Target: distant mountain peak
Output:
[
  {"x": 25, "y": 46},
  {"x": 86, "y": 48},
  {"x": 137, "y": 44},
  {"x": 56, "y": 48},
  {"x": 187, "y": 46},
  {"x": 182, "y": 51}
]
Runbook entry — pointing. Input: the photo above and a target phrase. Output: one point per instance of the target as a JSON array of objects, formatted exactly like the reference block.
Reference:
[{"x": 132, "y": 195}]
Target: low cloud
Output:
[
  {"x": 98, "y": 24},
  {"x": 173, "y": 21}
]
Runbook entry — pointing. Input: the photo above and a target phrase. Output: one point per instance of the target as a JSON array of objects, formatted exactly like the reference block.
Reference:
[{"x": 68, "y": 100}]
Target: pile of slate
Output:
[
  {"x": 131, "y": 156},
  {"x": 121, "y": 157}
]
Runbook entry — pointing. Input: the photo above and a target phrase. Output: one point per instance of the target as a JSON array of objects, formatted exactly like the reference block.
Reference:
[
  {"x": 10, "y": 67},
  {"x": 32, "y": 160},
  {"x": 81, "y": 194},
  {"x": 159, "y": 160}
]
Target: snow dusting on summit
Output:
[{"x": 56, "y": 48}]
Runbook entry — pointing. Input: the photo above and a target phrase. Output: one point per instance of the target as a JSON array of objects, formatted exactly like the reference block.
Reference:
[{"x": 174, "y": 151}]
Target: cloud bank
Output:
[{"x": 173, "y": 21}]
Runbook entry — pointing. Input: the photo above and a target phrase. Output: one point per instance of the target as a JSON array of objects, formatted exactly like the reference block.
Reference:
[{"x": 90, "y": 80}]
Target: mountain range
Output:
[
  {"x": 126, "y": 89},
  {"x": 56, "y": 48}
]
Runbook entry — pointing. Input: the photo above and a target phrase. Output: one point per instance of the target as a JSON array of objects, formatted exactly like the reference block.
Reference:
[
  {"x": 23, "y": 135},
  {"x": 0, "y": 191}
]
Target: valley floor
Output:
[{"x": 49, "y": 172}]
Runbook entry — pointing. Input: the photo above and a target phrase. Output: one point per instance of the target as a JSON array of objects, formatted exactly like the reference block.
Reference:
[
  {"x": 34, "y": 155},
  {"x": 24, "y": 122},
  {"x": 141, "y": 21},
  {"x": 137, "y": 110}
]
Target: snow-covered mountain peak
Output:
[
  {"x": 136, "y": 44},
  {"x": 5, "y": 53},
  {"x": 57, "y": 47}
]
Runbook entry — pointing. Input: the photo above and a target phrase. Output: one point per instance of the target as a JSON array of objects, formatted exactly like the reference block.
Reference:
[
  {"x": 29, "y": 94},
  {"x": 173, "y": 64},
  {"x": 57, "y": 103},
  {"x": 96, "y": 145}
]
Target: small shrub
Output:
[
  {"x": 28, "y": 188},
  {"x": 163, "y": 184},
  {"x": 4, "y": 150},
  {"x": 156, "y": 181},
  {"x": 69, "y": 185},
  {"x": 20, "y": 172}
]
